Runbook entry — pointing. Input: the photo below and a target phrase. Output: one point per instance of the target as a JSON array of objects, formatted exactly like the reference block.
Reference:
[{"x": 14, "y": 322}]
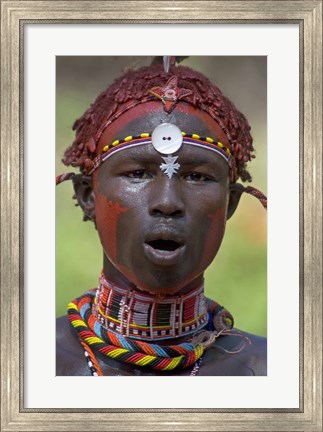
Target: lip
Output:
[
  {"x": 163, "y": 257},
  {"x": 165, "y": 232}
]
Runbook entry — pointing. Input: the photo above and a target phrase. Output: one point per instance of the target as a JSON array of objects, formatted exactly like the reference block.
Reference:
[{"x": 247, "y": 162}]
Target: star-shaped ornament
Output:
[
  {"x": 170, "y": 94},
  {"x": 170, "y": 166}
]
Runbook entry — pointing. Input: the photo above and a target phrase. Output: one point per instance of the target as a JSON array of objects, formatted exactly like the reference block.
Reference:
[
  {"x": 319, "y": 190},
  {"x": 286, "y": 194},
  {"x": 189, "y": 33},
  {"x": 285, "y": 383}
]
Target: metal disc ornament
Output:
[{"x": 167, "y": 138}]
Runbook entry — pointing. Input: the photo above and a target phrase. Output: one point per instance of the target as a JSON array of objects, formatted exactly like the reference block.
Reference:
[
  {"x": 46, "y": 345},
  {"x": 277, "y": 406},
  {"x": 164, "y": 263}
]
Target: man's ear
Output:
[
  {"x": 236, "y": 190},
  {"x": 85, "y": 196}
]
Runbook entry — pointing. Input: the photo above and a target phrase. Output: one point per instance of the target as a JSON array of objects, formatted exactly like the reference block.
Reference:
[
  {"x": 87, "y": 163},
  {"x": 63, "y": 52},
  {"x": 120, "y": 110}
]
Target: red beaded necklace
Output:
[
  {"x": 83, "y": 314},
  {"x": 143, "y": 316}
]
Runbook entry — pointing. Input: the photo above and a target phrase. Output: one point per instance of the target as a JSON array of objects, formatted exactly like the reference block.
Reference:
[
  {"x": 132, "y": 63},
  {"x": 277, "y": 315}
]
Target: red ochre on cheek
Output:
[{"x": 108, "y": 214}]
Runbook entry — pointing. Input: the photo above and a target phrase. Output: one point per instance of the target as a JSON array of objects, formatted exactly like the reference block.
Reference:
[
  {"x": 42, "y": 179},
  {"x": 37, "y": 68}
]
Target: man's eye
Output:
[
  {"x": 139, "y": 174},
  {"x": 196, "y": 177}
]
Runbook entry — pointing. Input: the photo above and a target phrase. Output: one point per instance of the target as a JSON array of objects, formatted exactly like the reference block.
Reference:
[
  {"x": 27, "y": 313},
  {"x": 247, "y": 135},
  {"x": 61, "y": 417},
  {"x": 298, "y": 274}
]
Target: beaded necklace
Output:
[
  {"x": 140, "y": 315},
  {"x": 136, "y": 351}
]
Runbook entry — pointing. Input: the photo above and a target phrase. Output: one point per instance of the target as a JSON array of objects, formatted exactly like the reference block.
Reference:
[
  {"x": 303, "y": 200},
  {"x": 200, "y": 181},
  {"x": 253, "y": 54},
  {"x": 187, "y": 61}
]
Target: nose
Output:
[{"x": 165, "y": 198}]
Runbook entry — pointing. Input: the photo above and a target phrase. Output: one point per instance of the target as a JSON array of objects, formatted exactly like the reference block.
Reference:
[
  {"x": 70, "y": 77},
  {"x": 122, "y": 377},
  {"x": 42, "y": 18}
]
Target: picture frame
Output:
[{"x": 14, "y": 416}]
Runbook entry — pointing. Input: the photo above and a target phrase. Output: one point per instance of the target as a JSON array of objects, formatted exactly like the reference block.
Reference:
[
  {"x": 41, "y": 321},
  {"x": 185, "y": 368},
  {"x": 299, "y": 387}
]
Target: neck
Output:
[
  {"x": 168, "y": 288},
  {"x": 136, "y": 314}
]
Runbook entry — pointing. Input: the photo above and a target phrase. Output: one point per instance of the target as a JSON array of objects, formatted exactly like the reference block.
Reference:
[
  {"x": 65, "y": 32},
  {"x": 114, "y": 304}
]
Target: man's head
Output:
[{"x": 159, "y": 233}]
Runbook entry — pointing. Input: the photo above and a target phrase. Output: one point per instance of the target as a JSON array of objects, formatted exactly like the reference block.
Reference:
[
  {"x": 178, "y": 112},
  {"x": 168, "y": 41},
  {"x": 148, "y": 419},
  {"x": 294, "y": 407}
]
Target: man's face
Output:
[{"x": 161, "y": 233}]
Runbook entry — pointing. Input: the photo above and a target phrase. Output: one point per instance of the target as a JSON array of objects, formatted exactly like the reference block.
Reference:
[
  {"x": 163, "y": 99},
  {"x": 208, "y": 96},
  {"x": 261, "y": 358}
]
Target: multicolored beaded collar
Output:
[
  {"x": 139, "y": 353},
  {"x": 140, "y": 315}
]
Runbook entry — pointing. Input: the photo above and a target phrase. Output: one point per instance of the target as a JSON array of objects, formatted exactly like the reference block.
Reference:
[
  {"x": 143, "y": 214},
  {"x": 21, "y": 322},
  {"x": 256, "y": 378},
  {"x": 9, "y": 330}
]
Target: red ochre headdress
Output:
[{"x": 154, "y": 83}]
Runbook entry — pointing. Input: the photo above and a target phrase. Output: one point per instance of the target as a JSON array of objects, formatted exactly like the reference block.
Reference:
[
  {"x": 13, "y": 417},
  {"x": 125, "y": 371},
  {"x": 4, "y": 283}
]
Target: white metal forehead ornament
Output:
[{"x": 167, "y": 139}]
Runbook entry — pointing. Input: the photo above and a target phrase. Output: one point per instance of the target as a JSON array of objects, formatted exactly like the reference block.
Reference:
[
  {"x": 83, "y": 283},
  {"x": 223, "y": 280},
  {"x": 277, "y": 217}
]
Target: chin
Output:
[
  {"x": 166, "y": 285},
  {"x": 156, "y": 280}
]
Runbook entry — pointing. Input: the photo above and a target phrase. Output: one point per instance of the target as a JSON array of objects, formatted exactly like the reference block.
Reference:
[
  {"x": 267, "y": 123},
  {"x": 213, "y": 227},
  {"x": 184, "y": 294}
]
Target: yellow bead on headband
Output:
[{"x": 167, "y": 139}]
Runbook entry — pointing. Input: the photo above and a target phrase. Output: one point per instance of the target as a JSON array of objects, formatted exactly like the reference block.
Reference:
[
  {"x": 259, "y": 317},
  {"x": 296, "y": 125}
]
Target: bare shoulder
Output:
[
  {"x": 254, "y": 355},
  {"x": 240, "y": 354}
]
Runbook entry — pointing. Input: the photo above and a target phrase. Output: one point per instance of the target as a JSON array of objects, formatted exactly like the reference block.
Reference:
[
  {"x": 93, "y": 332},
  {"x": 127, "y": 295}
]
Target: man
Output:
[{"x": 160, "y": 153}]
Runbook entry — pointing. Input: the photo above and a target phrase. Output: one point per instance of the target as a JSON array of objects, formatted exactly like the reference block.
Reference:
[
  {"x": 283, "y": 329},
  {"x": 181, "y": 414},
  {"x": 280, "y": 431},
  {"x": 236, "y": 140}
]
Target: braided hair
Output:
[{"x": 134, "y": 86}]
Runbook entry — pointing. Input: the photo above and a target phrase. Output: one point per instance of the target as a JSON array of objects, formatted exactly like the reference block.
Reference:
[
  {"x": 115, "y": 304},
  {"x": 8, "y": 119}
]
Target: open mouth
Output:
[
  {"x": 164, "y": 245},
  {"x": 163, "y": 252}
]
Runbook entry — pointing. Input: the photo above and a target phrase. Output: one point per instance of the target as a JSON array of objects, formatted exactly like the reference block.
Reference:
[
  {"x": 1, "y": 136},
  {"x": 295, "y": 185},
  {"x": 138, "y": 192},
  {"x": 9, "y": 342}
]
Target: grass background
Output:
[{"x": 238, "y": 276}]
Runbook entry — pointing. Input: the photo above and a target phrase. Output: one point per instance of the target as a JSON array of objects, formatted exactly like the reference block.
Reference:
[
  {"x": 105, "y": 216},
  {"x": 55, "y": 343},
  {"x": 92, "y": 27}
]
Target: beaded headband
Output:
[
  {"x": 147, "y": 138},
  {"x": 167, "y": 139}
]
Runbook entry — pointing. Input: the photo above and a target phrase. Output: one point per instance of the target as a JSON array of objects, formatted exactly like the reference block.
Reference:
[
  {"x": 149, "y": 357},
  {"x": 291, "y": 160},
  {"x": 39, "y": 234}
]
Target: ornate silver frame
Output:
[{"x": 14, "y": 14}]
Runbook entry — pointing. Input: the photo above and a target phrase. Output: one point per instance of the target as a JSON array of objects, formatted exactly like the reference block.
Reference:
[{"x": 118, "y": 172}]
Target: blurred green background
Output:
[{"x": 237, "y": 278}]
